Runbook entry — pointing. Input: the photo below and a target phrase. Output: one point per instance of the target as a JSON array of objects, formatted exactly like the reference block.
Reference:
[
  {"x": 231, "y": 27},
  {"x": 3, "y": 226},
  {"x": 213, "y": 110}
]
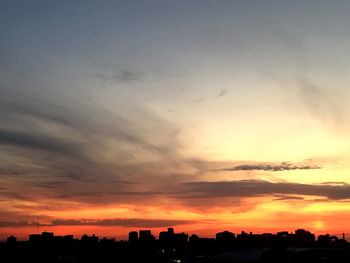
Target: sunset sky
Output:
[{"x": 201, "y": 115}]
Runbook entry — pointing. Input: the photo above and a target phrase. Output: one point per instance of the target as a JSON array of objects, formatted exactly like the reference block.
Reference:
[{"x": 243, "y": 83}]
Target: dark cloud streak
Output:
[
  {"x": 128, "y": 222},
  {"x": 256, "y": 188},
  {"x": 222, "y": 93},
  {"x": 38, "y": 142},
  {"x": 123, "y": 222},
  {"x": 122, "y": 77},
  {"x": 270, "y": 167}
]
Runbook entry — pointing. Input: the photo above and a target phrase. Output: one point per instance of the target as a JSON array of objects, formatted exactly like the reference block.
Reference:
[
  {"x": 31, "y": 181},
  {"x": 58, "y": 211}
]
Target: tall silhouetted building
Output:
[
  {"x": 171, "y": 231},
  {"x": 166, "y": 236}
]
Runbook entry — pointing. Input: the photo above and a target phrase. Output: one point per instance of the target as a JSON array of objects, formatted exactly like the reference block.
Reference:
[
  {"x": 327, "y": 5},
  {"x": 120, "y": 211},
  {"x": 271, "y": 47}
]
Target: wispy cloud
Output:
[
  {"x": 82, "y": 151},
  {"x": 122, "y": 77},
  {"x": 222, "y": 93},
  {"x": 271, "y": 167},
  {"x": 17, "y": 223},
  {"x": 287, "y": 197}
]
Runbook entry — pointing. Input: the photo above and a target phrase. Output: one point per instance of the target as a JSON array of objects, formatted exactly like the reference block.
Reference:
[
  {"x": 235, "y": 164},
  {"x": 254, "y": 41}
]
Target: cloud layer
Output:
[
  {"x": 124, "y": 222},
  {"x": 255, "y": 188}
]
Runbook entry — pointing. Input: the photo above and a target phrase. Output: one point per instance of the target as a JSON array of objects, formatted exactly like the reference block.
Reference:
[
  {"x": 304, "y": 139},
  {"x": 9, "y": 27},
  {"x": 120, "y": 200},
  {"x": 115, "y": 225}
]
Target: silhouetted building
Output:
[
  {"x": 145, "y": 235},
  {"x": 303, "y": 237},
  {"x": 171, "y": 231},
  {"x": 68, "y": 238},
  {"x": 180, "y": 242},
  {"x": 11, "y": 240},
  {"x": 283, "y": 234},
  {"x": 225, "y": 236},
  {"x": 327, "y": 240},
  {"x": 166, "y": 237},
  {"x": 34, "y": 238},
  {"x": 133, "y": 237},
  {"x": 90, "y": 239},
  {"x": 163, "y": 236}
]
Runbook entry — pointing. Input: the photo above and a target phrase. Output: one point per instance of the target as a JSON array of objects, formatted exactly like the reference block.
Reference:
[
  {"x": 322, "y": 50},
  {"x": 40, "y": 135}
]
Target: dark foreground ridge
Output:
[{"x": 142, "y": 246}]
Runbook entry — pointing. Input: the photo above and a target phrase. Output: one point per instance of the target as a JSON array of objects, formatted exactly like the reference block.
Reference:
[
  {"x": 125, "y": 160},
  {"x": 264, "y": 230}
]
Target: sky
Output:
[{"x": 200, "y": 115}]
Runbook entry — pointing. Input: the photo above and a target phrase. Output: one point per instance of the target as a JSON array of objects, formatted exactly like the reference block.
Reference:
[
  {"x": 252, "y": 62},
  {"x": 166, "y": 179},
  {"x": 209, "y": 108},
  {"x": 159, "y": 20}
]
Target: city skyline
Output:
[
  {"x": 199, "y": 115},
  {"x": 170, "y": 246},
  {"x": 164, "y": 234}
]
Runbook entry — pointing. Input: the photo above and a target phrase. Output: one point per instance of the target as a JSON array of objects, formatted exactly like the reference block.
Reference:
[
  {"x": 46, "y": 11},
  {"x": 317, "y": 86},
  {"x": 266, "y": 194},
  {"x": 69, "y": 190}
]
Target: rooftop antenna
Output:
[{"x": 38, "y": 226}]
